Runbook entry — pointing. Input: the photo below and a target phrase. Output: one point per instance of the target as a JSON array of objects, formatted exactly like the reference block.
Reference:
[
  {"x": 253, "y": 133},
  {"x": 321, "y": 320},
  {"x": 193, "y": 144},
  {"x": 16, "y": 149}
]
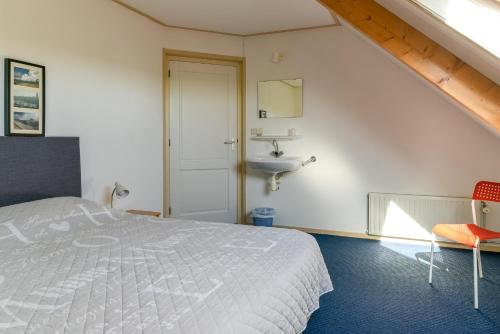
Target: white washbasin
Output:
[{"x": 272, "y": 165}]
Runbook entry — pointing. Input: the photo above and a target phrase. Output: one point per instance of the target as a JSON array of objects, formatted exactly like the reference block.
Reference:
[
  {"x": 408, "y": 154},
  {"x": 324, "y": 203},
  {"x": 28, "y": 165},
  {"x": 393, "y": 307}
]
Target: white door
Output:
[{"x": 203, "y": 149}]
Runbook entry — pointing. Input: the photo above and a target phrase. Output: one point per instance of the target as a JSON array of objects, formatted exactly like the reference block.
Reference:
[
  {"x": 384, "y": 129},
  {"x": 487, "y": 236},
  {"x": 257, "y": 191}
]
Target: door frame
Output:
[{"x": 214, "y": 59}]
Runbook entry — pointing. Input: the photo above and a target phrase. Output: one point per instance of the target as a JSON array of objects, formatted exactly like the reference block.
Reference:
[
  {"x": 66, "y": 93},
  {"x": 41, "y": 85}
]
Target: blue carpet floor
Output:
[{"x": 381, "y": 287}]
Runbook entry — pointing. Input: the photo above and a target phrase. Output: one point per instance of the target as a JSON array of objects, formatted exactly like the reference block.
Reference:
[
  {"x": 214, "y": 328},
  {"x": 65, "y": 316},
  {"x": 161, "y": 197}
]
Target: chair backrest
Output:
[{"x": 487, "y": 191}]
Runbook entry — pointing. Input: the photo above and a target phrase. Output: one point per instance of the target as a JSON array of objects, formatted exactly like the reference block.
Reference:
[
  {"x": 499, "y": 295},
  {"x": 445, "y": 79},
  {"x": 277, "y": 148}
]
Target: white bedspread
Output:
[{"x": 68, "y": 265}]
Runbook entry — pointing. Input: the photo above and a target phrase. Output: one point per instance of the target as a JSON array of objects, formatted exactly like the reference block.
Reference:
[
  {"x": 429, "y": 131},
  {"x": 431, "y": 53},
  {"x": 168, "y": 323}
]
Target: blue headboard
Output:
[{"x": 33, "y": 168}]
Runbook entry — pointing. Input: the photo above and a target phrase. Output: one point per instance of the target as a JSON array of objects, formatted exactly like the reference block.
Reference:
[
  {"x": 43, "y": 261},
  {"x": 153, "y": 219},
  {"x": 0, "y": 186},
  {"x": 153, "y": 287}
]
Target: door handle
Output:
[{"x": 231, "y": 142}]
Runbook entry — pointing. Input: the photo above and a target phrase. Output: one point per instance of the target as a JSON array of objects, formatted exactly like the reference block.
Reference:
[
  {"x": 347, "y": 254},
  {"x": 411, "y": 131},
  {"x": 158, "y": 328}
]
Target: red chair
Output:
[{"x": 470, "y": 235}]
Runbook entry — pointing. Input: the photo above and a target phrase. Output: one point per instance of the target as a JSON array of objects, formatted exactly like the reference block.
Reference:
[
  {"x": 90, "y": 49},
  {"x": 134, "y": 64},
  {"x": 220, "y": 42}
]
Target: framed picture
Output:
[{"x": 24, "y": 99}]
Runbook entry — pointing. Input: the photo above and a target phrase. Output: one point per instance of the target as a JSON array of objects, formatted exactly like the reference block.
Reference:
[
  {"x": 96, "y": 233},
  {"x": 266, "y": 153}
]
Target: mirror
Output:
[{"x": 280, "y": 98}]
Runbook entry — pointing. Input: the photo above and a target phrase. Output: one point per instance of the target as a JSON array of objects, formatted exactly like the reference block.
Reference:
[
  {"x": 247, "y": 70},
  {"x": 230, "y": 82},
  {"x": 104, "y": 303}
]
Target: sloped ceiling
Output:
[
  {"x": 444, "y": 34},
  {"x": 476, "y": 92}
]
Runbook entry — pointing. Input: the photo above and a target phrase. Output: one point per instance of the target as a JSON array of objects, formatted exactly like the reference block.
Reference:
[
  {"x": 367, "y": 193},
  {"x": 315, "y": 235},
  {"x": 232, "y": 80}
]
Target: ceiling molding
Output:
[
  {"x": 335, "y": 17},
  {"x": 440, "y": 67},
  {"x": 137, "y": 11},
  {"x": 291, "y": 30},
  {"x": 332, "y": 13}
]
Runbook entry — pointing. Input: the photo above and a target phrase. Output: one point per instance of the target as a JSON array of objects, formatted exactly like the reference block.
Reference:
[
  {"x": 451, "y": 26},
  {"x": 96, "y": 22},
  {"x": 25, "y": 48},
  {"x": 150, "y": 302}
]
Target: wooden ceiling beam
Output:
[{"x": 473, "y": 90}]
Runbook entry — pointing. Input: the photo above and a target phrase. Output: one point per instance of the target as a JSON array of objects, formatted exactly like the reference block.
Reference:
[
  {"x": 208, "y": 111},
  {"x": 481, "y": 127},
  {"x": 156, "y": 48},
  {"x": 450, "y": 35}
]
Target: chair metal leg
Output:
[
  {"x": 476, "y": 289},
  {"x": 479, "y": 262},
  {"x": 432, "y": 259}
]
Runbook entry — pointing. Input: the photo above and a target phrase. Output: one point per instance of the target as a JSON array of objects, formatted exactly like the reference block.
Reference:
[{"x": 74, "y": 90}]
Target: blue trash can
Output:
[{"x": 263, "y": 216}]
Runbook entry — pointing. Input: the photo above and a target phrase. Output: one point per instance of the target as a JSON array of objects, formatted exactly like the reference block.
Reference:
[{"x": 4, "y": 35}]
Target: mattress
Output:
[{"x": 69, "y": 265}]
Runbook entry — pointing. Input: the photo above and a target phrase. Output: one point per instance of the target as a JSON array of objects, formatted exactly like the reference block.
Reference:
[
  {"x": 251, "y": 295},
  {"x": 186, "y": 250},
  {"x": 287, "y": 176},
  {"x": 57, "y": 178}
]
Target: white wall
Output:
[
  {"x": 373, "y": 125},
  {"x": 104, "y": 84}
]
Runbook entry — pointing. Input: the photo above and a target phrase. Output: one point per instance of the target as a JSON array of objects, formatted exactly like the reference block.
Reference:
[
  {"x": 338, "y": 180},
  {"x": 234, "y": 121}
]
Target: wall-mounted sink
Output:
[{"x": 274, "y": 165}]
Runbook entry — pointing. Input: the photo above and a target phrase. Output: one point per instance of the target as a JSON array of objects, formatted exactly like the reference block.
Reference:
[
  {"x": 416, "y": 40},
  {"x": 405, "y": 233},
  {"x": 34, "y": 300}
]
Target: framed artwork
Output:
[{"x": 24, "y": 99}]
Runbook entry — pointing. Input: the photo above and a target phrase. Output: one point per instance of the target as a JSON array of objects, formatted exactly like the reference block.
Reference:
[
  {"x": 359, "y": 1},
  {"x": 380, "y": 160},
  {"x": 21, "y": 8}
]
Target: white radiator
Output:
[{"x": 412, "y": 216}]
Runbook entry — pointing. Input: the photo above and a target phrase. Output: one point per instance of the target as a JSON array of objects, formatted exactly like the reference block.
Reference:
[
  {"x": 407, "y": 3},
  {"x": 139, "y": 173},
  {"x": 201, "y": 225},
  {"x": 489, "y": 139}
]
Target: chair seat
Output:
[{"x": 466, "y": 234}]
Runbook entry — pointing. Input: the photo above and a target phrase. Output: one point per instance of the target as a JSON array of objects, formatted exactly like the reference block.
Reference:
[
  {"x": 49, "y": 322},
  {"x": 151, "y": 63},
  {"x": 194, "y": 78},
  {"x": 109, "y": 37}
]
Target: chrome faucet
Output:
[{"x": 277, "y": 153}]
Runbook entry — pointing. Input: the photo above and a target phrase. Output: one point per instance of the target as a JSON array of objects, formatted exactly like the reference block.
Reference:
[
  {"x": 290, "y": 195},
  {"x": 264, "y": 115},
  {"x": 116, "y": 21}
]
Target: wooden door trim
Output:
[{"x": 214, "y": 59}]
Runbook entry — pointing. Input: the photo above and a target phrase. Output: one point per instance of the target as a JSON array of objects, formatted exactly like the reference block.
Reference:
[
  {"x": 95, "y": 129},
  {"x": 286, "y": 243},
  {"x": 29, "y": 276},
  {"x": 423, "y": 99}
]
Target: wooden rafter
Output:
[{"x": 450, "y": 74}]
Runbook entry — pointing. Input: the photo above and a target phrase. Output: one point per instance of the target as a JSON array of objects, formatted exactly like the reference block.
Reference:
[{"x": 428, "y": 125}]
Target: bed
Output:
[{"x": 70, "y": 265}]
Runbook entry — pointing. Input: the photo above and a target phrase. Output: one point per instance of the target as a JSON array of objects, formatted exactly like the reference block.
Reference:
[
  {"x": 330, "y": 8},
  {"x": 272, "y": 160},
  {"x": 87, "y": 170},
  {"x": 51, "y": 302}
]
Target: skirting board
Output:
[{"x": 487, "y": 247}]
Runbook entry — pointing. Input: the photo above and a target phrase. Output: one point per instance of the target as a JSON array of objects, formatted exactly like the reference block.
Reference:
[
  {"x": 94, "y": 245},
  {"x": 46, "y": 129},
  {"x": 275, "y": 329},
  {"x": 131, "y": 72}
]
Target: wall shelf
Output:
[{"x": 275, "y": 137}]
